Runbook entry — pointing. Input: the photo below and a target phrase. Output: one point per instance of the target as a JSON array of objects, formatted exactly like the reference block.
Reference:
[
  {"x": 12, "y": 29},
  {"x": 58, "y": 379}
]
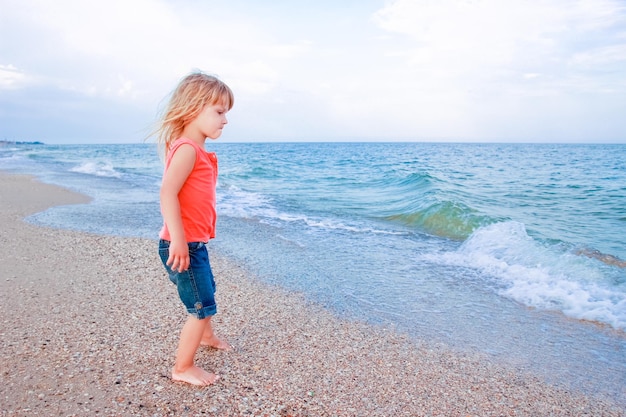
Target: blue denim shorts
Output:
[{"x": 196, "y": 285}]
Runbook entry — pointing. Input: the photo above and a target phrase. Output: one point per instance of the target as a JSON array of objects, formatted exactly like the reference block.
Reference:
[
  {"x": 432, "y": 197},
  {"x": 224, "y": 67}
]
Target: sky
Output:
[{"x": 554, "y": 71}]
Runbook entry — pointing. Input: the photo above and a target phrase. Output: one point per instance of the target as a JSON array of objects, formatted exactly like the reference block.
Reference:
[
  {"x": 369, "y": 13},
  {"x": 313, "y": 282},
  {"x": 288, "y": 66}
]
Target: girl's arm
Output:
[{"x": 175, "y": 176}]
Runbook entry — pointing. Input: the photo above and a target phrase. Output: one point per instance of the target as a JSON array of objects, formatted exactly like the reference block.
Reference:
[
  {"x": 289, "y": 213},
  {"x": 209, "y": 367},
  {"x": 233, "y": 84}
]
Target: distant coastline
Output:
[{"x": 13, "y": 142}]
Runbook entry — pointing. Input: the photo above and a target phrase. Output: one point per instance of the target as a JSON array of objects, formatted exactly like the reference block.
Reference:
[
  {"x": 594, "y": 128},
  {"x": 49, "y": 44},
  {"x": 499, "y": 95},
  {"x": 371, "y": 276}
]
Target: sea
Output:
[{"x": 514, "y": 251}]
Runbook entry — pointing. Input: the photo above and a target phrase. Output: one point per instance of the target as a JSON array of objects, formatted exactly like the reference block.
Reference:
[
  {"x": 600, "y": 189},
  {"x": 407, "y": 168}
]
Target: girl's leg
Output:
[
  {"x": 210, "y": 339},
  {"x": 184, "y": 369}
]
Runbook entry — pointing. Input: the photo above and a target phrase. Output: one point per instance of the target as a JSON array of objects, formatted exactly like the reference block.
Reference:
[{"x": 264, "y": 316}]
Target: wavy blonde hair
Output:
[{"x": 193, "y": 93}]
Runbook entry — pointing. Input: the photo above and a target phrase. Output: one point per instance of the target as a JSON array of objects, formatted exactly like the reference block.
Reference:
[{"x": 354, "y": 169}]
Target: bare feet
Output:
[
  {"x": 194, "y": 376},
  {"x": 216, "y": 343}
]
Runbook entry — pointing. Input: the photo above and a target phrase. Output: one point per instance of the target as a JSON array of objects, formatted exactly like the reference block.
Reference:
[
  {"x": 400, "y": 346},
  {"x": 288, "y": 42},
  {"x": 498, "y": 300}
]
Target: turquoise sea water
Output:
[{"x": 514, "y": 250}]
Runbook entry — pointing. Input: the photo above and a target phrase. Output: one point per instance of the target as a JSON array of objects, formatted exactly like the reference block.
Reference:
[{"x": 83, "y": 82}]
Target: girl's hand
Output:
[{"x": 179, "y": 256}]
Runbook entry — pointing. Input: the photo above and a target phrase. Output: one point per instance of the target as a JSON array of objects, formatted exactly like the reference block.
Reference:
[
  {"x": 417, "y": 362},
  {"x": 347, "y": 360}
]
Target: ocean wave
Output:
[
  {"x": 235, "y": 202},
  {"x": 543, "y": 276},
  {"x": 7, "y": 149},
  {"x": 98, "y": 169},
  {"x": 446, "y": 219},
  {"x": 330, "y": 224}
]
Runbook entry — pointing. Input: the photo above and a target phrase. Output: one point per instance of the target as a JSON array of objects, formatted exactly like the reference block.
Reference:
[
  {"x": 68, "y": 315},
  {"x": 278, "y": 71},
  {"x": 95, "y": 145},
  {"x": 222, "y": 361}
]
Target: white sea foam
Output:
[
  {"x": 330, "y": 224},
  {"x": 295, "y": 242},
  {"x": 236, "y": 202},
  {"x": 542, "y": 276},
  {"x": 99, "y": 169}
]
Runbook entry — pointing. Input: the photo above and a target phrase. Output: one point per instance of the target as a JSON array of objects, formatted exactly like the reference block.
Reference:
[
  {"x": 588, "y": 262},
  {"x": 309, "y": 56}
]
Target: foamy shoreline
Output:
[{"x": 90, "y": 325}]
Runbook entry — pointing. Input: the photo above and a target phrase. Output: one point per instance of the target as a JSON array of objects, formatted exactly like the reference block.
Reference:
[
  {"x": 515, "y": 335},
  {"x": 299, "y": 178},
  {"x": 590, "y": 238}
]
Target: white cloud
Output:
[
  {"x": 11, "y": 78},
  {"x": 601, "y": 56},
  {"x": 140, "y": 42},
  {"x": 454, "y": 37},
  {"x": 464, "y": 63}
]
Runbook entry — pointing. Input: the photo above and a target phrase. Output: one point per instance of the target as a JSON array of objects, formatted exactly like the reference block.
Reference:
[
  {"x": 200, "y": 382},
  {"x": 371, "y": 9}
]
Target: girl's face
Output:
[{"x": 208, "y": 124}]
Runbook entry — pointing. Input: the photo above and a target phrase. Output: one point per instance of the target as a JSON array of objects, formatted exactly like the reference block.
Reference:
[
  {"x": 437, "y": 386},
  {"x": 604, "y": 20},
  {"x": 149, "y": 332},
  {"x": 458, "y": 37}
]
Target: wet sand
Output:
[{"x": 90, "y": 325}]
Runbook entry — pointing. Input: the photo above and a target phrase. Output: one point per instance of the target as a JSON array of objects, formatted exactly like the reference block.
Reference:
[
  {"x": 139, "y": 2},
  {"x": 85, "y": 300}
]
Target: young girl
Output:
[{"x": 196, "y": 111}]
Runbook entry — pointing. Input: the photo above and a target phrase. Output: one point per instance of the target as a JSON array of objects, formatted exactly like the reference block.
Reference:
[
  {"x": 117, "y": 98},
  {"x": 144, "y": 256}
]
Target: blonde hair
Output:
[{"x": 193, "y": 93}]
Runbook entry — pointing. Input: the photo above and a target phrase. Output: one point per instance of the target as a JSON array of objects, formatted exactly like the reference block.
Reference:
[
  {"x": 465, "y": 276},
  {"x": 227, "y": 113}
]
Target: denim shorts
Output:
[{"x": 196, "y": 286}]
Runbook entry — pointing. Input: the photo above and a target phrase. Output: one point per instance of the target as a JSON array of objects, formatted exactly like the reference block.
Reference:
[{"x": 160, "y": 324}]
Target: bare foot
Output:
[
  {"x": 195, "y": 376},
  {"x": 216, "y": 343}
]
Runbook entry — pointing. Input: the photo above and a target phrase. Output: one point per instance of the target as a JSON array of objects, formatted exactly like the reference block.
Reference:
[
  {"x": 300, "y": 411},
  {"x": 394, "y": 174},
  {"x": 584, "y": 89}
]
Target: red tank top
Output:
[{"x": 197, "y": 195}]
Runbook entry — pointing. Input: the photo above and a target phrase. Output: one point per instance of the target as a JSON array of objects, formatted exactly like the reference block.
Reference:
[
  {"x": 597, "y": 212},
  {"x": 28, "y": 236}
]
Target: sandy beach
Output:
[{"x": 90, "y": 325}]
